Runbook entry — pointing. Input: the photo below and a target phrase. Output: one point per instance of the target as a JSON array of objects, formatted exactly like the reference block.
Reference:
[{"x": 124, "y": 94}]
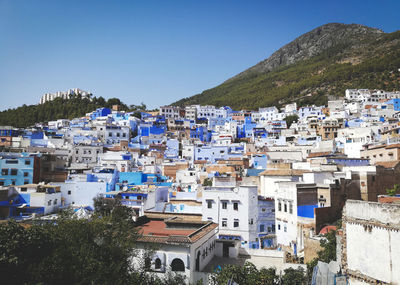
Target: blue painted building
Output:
[
  {"x": 266, "y": 223},
  {"x": 201, "y": 133},
  {"x": 306, "y": 211},
  {"x": 12, "y": 205},
  {"x": 260, "y": 161},
  {"x": 100, "y": 112},
  {"x": 130, "y": 179},
  {"x": 211, "y": 153},
  {"x": 172, "y": 150},
  {"x": 345, "y": 161},
  {"x": 395, "y": 103},
  {"x": 147, "y": 129},
  {"x": 19, "y": 168}
]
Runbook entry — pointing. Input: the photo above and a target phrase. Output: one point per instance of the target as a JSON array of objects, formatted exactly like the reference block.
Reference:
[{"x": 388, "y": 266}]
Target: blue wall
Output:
[
  {"x": 306, "y": 211},
  {"x": 24, "y": 167}
]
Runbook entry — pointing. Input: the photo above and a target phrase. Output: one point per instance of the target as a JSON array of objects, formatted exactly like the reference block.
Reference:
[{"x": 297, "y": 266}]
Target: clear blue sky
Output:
[{"x": 154, "y": 52}]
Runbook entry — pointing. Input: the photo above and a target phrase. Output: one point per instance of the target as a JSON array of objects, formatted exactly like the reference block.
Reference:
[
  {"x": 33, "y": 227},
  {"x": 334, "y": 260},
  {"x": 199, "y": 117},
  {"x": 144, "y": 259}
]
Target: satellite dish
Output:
[{"x": 236, "y": 190}]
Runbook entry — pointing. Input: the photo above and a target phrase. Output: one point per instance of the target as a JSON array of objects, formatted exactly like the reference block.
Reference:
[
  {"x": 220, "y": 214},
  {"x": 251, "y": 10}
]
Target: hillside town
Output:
[{"x": 211, "y": 186}]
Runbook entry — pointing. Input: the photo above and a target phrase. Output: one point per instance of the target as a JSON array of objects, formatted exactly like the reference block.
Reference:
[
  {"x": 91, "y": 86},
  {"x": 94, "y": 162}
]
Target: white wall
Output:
[
  {"x": 82, "y": 193},
  {"x": 373, "y": 239}
]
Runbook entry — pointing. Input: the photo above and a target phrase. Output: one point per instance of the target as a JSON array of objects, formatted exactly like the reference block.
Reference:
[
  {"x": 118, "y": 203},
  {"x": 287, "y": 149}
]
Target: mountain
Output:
[{"x": 322, "y": 62}]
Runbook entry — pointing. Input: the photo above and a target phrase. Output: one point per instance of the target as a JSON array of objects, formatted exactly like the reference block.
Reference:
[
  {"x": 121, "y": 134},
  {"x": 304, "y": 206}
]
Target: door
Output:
[
  {"x": 198, "y": 261},
  {"x": 225, "y": 250}
]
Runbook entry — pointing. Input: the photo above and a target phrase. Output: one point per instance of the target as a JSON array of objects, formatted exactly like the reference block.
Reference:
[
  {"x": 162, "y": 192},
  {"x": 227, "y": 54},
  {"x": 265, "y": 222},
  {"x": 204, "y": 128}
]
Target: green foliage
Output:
[
  {"x": 59, "y": 108},
  {"x": 75, "y": 251},
  {"x": 72, "y": 251},
  {"x": 294, "y": 277},
  {"x": 328, "y": 252},
  {"x": 375, "y": 65},
  {"x": 141, "y": 107},
  {"x": 207, "y": 182},
  {"x": 246, "y": 274},
  {"x": 395, "y": 190},
  {"x": 290, "y": 120},
  {"x": 249, "y": 274}
]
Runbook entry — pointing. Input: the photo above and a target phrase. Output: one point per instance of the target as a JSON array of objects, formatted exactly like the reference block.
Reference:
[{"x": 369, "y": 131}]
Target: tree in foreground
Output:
[
  {"x": 69, "y": 250},
  {"x": 326, "y": 254},
  {"x": 248, "y": 274}
]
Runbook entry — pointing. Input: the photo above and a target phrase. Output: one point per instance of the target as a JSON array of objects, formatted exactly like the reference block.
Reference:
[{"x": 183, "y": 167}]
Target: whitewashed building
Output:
[
  {"x": 371, "y": 242},
  {"x": 233, "y": 209}
]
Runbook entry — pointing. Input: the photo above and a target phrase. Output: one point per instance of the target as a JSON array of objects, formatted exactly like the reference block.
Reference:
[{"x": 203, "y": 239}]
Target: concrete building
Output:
[
  {"x": 85, "y": 154},
  {"x": 381, "y": 153},
  {"x": 171, "y": 112},
  {"x": 64, "y": 95}
]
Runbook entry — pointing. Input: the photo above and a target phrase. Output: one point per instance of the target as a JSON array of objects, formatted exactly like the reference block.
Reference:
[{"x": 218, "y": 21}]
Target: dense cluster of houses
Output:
[{"x": 212, "y": 185}]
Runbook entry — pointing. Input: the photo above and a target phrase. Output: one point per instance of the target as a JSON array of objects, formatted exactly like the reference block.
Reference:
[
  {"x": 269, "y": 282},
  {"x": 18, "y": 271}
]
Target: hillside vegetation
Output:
[
  {"x": 75, "y": 107},
  {"x": 362, "y": 58}
]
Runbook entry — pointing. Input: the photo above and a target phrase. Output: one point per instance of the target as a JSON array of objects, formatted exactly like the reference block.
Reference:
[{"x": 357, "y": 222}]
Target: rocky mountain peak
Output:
[{"x": 313, "y": 43}]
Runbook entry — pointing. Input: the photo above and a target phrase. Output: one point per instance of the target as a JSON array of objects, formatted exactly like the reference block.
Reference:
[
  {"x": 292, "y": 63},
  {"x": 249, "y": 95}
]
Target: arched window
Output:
[
  {"x": 147, "y": 263},
  {"x": 177, "y": 265},
  {"x": 157, "y": 263}
]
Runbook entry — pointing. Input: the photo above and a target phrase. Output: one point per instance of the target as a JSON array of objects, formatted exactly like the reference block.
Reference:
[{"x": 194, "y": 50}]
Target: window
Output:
[
  {"x": 26, "y": 174},
  {"x": 1, "y": 183},
  {"x": 261, "y": 228},
  {"x": 4, "y": 171},
  {"x": 157, "y": 263},
  {"x": 110, "y": 134},
  {"x": 26, "y": 182},
  {"x": 251, "y": 221},
  {"x": 147, "y": 263},
  {"x": 55, "y": 202},
  {"x": 279, "y": 227},
  {"x": 224, "y": 205},
  {"x": 224, "y": 223},
  {"x": 49, "y": 203},
  {"x": 279, "y": 206},
  {"x": 235, "y": 206},
  {"x": 177, "y": 265},
  {"x": 76, "y": 152},
  {"x": 27, "y": 162},
  {"x": 263, "y": 210},
  {"x": 209, "y": 204},
  {"x": 285, "y": 207},
  {"x": 236, "y": 223},
  {"x": 12, "y": 161},
  {"x": 13, "y": 182},
  {"x": 69, "y": 192},
  {"x": 285, "y": 228},
  {"x": 124, "y": 135},
  {"x": 290, "y": 208}
]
